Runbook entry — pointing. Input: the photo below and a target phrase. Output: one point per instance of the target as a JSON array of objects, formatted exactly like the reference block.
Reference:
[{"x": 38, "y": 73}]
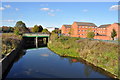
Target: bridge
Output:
[
  {"x": 35, "y": 38},
  {"x": 35, "y": 35}
]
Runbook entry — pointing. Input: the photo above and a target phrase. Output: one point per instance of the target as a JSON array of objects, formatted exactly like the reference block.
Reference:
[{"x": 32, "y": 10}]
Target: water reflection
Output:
[
  {"x": 43, "y": 63},
  {"x": 44, "y": 55}
]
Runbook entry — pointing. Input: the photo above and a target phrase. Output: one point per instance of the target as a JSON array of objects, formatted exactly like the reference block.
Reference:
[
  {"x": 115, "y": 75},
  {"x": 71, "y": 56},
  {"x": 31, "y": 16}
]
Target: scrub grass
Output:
[
  {"x": 9, "y": 42},
  {"x": 101, "y": 54}
]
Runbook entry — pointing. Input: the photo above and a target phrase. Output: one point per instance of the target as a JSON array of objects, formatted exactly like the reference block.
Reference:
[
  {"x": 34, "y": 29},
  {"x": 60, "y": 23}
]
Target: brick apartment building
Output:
[
  {"x": 80, "y": 29},
  {"x": 65, "y": 29}
]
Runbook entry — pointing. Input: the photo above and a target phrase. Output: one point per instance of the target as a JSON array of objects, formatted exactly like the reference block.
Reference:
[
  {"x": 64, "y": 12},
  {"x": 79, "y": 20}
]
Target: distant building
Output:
[
  {"x": 65, "y": 30},
  {"x": 80, "y": 29},
  {"x": 51, "y": 28}
]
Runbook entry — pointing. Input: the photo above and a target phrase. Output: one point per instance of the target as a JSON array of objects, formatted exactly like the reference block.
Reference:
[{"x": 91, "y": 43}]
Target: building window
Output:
[{"x": 82, "y": 26}]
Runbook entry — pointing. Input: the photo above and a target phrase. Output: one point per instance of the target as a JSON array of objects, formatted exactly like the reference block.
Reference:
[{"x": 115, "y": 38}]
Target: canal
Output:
[{"x": 43, "y": 63}]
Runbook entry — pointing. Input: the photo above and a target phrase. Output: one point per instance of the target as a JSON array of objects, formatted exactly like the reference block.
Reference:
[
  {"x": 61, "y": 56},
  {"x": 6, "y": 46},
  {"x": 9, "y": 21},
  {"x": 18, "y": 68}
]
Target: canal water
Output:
[{"x": 43, "y": 63}]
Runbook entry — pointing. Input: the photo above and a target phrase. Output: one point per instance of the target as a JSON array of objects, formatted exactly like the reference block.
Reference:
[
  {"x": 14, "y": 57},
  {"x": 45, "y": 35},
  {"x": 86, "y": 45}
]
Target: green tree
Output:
[
  {"x": 21, "y": 27},
  {"x": 90, "y": 35},
  {"x": 37, "y": 28},
  {"x": 113, "y": 34},
  {"x": 16, "y": 31},
  {"x": 45, "y": 31},
  {"x": 6, "y": 29},
  {"x": 57, "y": 31}
]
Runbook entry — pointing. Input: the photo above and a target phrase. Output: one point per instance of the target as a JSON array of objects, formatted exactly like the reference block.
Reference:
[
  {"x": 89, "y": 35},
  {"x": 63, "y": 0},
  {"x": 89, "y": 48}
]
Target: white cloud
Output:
[
  {"x": 45, "y": 9},
  {"x": 16, "y": 9},
  {"x": 7, "y": 21},
  {"x": 115, "y": 7},
  {"x": 51, "y": 14},
  {"x": 50, "y": 11},
  {"x": 7, "y": 6},
  {"x": 2, "y": 8},
  {"x": 85, "y": 10}
]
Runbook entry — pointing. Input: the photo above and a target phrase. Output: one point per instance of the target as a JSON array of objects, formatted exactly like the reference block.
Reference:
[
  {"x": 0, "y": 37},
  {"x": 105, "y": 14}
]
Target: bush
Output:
[{"x": 99, "y": 53}]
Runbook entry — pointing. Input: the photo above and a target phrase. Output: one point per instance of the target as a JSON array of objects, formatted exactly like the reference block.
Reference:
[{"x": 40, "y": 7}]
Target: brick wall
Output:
[{"x": 81, "y": 31}]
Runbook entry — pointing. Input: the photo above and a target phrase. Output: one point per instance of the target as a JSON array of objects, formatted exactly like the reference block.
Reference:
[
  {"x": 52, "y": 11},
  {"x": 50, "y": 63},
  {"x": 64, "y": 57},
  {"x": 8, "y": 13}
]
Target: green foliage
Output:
[
  {"x": 16, "y": 31},
  {"x": 21, "y": 27},
  {"x": 6, "y": 29},
  {"x": 90, "y": 35},
  {"x": 53, "y": 36},
  {"x": 101, "y": 54},
  {"x": 20, "y": 24},
  {"x": 9, "y": 42},
  {"x": 113, "y": 34},
  {"x": 37, "y": 28},
  {"x": 45, "y": 31},
  {"x": 57, "y": 31}
]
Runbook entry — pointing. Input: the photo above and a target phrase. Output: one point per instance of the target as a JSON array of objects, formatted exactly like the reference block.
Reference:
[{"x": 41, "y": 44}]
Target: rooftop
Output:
[
  {"x": 67, "y": 26},
  {"x": 85, "y": 24},
  {"x": 104, "y": 26}
]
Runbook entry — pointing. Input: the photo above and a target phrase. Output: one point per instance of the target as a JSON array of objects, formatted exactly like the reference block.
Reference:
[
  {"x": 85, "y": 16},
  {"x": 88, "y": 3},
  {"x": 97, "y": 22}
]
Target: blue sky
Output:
[{"x": 55, "y": 14}]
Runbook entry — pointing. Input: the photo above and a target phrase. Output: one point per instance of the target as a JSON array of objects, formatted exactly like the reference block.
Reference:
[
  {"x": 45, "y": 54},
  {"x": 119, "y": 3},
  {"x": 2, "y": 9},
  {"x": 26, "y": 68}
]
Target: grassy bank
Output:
[
  {"x": 101, "y": 54},
  {"x": 9, "y": 42}
]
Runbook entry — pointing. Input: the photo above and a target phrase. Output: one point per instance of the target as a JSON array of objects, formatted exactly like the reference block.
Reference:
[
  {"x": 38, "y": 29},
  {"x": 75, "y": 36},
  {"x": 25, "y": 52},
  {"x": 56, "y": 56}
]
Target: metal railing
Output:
[{"x": 35, "y": 34}]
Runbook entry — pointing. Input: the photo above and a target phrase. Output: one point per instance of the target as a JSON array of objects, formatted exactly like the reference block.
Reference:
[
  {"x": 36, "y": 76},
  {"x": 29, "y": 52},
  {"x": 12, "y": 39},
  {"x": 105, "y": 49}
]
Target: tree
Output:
[
  {"x": 37, "y": 28},
  {"x": 90, "y": 35},
  {"x": 45, "y": 31},
  {"x": 113, "y": 34},
  {"x": 6, "y": 29},
  {"x": 71, "y": 31},
  {"x": 57, "y": 31},
  {"x": 21, "y": 27},
  {"x": 16, "y": 31}
]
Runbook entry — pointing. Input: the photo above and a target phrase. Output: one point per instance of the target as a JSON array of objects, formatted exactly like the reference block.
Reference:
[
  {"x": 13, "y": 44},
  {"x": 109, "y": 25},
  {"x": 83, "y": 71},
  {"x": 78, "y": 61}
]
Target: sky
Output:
[
  {"x": 55, "y": 14},
  {"x": 59, "y": 0}
]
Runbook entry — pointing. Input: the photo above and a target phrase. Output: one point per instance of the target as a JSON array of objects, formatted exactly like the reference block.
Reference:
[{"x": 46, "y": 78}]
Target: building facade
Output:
[
  {"x": 80, "y": 29},
  {"x": 66, "y": 29}
]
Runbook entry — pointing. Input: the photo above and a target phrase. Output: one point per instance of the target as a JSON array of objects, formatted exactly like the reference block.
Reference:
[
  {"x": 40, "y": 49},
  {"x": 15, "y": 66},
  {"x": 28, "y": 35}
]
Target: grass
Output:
[
  {"x": 9, "y": 42},
  {"x": 101, "y": 54}
]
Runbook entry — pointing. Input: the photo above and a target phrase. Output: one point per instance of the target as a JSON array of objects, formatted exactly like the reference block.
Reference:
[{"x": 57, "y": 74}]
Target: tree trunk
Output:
[{"x": 113, "y": 38}]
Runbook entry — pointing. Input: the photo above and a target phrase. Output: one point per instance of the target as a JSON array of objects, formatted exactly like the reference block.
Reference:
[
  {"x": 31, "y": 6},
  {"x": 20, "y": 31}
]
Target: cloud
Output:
[
  {"x": 48, "y": 9},
  {"x": 51, "y": 14},
  {"x": 115, "y": 7},
  {"x": 2, "y": 8},
  {"x": 85, "y": 10},
  {"x": 7, "y": 21},
  {"x": 45, "y": 9},
  {"x": 17, "y": 9},
  {"x": 7, "y": 6}
]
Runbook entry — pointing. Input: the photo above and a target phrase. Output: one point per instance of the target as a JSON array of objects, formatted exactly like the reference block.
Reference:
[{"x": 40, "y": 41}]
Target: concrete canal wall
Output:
[{"x": 9, "y": 58}]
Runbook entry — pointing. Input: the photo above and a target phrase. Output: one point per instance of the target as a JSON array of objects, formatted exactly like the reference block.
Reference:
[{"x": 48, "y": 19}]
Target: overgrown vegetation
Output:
[
  {"x": 37, "y": 29},
  {"x": 9, "y": 42},
  {"x": 102, "y": 54},
  {"x": 90, "y": 35}
]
